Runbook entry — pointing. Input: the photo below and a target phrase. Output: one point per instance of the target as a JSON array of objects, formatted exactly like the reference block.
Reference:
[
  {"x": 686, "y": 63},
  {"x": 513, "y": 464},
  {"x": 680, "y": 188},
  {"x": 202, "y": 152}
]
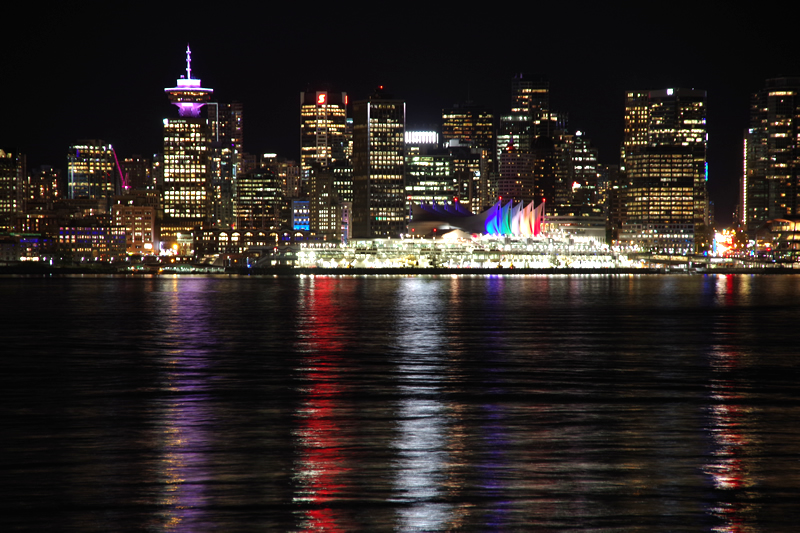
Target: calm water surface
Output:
[{"x": 518, "y": 403}]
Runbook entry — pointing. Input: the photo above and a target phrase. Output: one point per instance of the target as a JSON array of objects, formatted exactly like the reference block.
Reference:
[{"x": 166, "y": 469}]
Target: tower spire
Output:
[{"x": 188, "y": 94}]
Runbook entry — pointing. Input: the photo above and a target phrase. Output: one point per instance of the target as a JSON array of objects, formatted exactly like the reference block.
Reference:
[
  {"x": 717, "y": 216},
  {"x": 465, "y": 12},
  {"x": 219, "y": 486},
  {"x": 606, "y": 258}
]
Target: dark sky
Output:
[{"x": 91, "y": 70}]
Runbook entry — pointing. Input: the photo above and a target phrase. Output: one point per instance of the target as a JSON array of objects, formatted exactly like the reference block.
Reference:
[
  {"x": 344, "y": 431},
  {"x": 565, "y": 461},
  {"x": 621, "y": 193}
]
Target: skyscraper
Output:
[
  {"x": 664, "y": 158},
  {"x": 515, "y": 176},
  {"x": 187, "y": 191},
  {"x": 226, "y": 123},
  {"x": 771, "y": 181},
  {"x": 12, "y": 169},
  {"x": 323, "y": 123},
  {"x": 468, "y": 132},
  {"x": 530, "y": 96},
  {"x": 260, "y": 201},
  {"x": 379, "y": 207},
  {"x": 327, "y": 172},
  {"x": 91, "y": 171}
]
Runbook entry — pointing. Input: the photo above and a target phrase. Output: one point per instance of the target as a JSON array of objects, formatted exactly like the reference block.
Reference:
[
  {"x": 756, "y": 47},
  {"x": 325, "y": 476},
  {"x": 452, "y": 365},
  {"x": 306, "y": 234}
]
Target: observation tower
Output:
[
  {"x": 188, "y": 95},
  {"x": 187, "y": 194}
]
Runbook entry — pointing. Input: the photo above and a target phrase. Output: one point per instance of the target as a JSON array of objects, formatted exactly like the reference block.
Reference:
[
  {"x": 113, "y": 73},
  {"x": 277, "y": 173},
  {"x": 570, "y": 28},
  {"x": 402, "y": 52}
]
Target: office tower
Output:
[
  {"x": 429, "y": 179},
  {"x": 430, "y": 172},
  {"x": 379, "y": 206},
  {"x": 187, "y": 193},
  {"x": 287, "y": 170},
  {"x": 325, "y": 204},
  {"x": 530, "y": 95},
  {"x": 666, "y": 200},
  {"x": 770, "y": 185},
  {"x": 472, "y": 128},
  {"x": 323, "y": 128},
  {"x": 532, "y": 128},
  {"x": 327, "y": 175},
  {"x": 515, "y": 130},
  {"x": 529, "y": 117},
  {"x": 138, "y": 172},
  {"x": 44, "y": 185},
  {"x": 260, "y": 201},
  {"x": 576, "y": 191},
  {"x": 12, "y": 172},
  {"x": 470, "y": 125},
  {"x": 515, "y": 176},
  {"x": 91, "y": 171},
  {"x": 226, "y": 124}
]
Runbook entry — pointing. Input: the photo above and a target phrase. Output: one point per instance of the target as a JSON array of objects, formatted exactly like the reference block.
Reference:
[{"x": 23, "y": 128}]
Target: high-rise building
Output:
[
  {"x": 468, "y": 132},
  {"x": 44, "y": 185},
  {"x": 326, "y": 168},
  {"x": 12, "y": 171},
  {"x": 226, "y": 123},
  {"x": 515, "y": 176},
  {"x": 323, "y": 128},
  {"x": 379, "y": 203},
  {"x": 91, "y": 171},
  {"x": 530, "y": 96},
  {"x": 664, "y": 160},
  {"x": 771, "y": 181},
  {"x": 470, "y": 125},
  {"x": 430, "y": 172},
  {"x": 187, "y": 194},
  {"x": 260, "y": 201},
  {"x": 138, "y": 172}
]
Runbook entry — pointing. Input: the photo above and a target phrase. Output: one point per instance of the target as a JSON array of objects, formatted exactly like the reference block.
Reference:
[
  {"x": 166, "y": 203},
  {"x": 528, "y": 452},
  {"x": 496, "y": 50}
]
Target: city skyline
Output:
[{"x": 67, "y": 87}]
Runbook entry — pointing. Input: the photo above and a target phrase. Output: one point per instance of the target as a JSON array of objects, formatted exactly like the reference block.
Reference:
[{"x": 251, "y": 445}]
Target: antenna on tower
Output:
[{"x": 188, "y": 62}]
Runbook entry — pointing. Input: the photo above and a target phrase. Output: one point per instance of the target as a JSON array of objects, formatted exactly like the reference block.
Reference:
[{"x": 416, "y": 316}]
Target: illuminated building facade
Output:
[
  {"x": 664, "y": 160},
  {"x": 91, "y": 238},
  {"x": 326, "y": 205},
  {"x": 44, "y": 185},
  {"x": 430, "y": 178},
  {"x": 470, "y": 125},
  {"x": 91, "y": 171},
  {"x": 379, "y": 204},
  {"x": 583, "y": 180},
  {"x": 226, "y": 123},
  {"x": 301, "y": 215},
  {"x": 324, "y": 146},
  {"x": 260, "y": 201},
  {"x": 468, "y": 132},
  {"x": 12, "y": 170},
  {"x": 515, "y": 130},
  {"x": 530, "y": 95},
  {"x": 139, "y": 223},
  {"x": 515, "y": 176},
  {"x": 323, "y": 128},
  {"x": 770, "y": 186},
  {"x": 138, "y": 172},
  {"x": 187, "y": 194}
]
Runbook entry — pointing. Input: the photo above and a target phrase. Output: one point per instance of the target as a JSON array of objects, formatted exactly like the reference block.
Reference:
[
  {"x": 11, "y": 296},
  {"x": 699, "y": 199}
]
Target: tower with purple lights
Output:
[
  {"x": 187, "y": 193},
  {"x": 188, "y": 95}
]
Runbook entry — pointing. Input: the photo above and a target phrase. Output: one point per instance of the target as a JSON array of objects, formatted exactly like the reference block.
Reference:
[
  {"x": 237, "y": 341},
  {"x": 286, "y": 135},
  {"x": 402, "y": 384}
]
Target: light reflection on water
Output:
[
  {"x": 421, "y": 416},
  {"x": 186, "y": 417},
  {"x": 592, "y": 403}
]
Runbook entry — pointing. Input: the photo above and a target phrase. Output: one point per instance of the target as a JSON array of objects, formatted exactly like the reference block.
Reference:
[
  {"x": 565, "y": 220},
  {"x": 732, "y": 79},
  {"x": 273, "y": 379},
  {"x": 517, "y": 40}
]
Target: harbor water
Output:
[{"x": 401, "y": 403}]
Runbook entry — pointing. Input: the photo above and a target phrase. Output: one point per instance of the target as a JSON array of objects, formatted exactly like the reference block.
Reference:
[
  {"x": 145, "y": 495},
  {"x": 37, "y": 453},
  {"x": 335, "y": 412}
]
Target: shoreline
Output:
[{"x": 105, "y": 270}]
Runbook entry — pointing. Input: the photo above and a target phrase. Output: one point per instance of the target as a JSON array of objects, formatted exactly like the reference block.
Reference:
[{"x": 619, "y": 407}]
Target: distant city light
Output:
[{"x": 422, "y": 137}]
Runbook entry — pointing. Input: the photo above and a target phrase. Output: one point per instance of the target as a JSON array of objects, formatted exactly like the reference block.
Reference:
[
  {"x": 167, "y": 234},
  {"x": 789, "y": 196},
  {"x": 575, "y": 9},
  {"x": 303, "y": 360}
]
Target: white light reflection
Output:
[{"x": 422, "y": 418}]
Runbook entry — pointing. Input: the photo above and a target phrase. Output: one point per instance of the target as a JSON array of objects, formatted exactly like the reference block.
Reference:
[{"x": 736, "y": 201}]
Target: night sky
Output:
[{"x": 93, "y": 71}]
